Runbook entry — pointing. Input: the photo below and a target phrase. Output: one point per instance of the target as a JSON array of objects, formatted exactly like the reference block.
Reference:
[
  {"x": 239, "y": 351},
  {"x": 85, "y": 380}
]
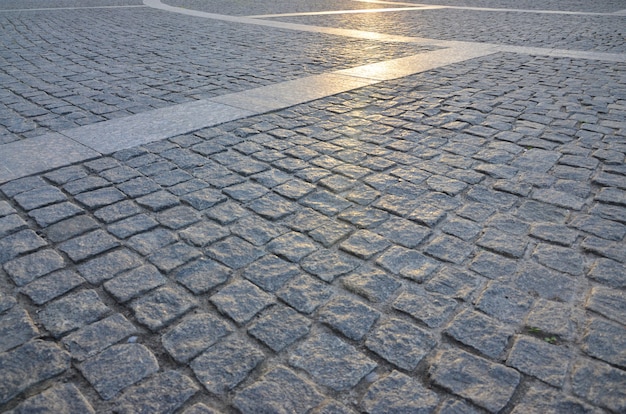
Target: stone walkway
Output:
[{"x": 312, "y": 206}]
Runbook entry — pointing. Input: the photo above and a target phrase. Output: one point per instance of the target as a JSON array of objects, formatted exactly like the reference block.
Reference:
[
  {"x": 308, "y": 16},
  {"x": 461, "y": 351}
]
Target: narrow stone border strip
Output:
[
  {"x": 332, "y": 12},
  {"x": 130, "y": 6}
]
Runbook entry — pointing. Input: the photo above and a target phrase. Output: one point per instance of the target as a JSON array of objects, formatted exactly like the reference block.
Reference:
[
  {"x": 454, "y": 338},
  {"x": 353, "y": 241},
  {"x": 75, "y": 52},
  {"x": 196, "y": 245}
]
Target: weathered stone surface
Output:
[
  {"x": 28, "y": 268},
  {"x": 554, "y": 318},
  {"x": 480, "y": 332},
  {"x": 429, "y": 308},
  {"x": 407, "y": 263},
  {"x": 399, "y": 393},
  {"x": 400, "y": 343},
  {"x": 88, "y": 245},
  {"x": 608, "y": 302},
  {"x": 109, "y": 265},
  {"x": 51, "y": 286},
  {"x": 371, "y": 283},
  {"x": 16, "y": 328},
  {"x": 91, "y": 339},
  {"x": 504, "y": 302},
  {"x": 134, "y": 283},
  {"x": 18, "y": 243},
  {"x": 608, "y": 272},
  {"x": 270, "y": 272},
  {"x": 163, "y": 393},
  {"x": 241, "y": 300},
  {"x": 349, "y": 316},
  {"x": 280, "y": 327},
  {"x": 62, "y": 398},
  {"x": 540, "y": 359},
  {"x": 503, "y": 243},
  {"x": 331, "y": 362},
  {"x": 543, "y": 399},
  {"x": 170, "y": 257},
  {"x": 454, "y": 283},
  {"x": 118, "y": 367},
  {"x": 202, "y": 275},
  {"x": 327, "y": 265},
  {"x": 28, "y": 365},
  {"x": 548, "y": 284},
  {"x": 485, "y": 383},
  {"x": 72, "y": 227},
  {"x": 234, "y": 252},
  {"x": 162, "y": 306},
  {"x": 600, "y": 384},
  {"x": 606, "y": 341},
  {"x": 279, "y": 391},
  {"x": 72, "y": 311},
  {"x": 559, "y": 258},
  {"x": 194, "y": 334},
  {"x": 305, "y": 293},
  {"x": 449, "y": 249},
  {"x": 292, "y": 246},
  {"x": 227, "y": 363}
]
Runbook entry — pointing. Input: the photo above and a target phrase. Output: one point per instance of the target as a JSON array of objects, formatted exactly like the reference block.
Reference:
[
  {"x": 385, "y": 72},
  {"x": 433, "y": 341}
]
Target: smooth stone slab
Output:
[{"x": 39, "y": 154}]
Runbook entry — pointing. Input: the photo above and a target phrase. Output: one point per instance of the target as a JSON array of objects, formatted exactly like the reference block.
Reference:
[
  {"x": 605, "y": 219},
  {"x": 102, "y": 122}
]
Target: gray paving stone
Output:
[
  {"x": 28, "y": 365},
  {"x": 399, "y": 393},
  {"x": 484, "y": 383},
  {"x": 480, "y": 332},
  {"x": 545, "y": 283},
  {"x": 16, "y": 328},
  {"x": 371, "y": 283},
  {"x": 15, "y": 244},
  {"x": 365, "y": 244},
  {"x": 200, "y": 408},
  {"x": 330, "y": 233},
  {"x": 133, "y": 225},
  {"x": 351, "y": 317},
  {"x": 328, "y": 265},
  {"x": 83, "y": 185},
  {"x": 6, "y": 302},
  {"x": 279, "y": 327},
  {"x": 535, "y": 212},
  {"x": 169, "y": 257},
  {"x": 39, "y": 197},
  {"x": 278, "y": 391},
  {"x": 202, "y": 275},
  {"x": 400, "y": 343},
  {"x": 27, "y": 268},
  {"x": 606, "y": 341},
  {"x": 363, "y": 217},
  {"x": 504, "y": 302},
  {"x": 293, "y": 246},
  {"x": 118, "y": 367},
  {"x": 88, "y": 245},
  {"x": 608, "y": 272},
  {"x": 407, "y": 263},
  {"x": 163, "y": 393},
  {"x": 503, "y": 243},
  {"x": 96, "y": 337},
  {"x": 21, "y": 185},
  {"x": 603, "y": 247},
  {"x": 540, "y": 359},
  {"x": 558, "y": 198},
  {"x": 226, "y": 213},
  {"x": 332, "y": 407},
  {"x": 99, "y": 198},
  {"x": 325, "y": 202},
  {"x": 547, "y": 400},
  {"x": 608, "y": 302},
  {"x": 554, "y": 319},
  {"x": 117, "y": 211},
  {"x": 305, "y": 293},
  {"x": 497, "y": 199},
  {"x": 51, "y": 286},
  {"x": 599, "y": 384},
  {"x": 429, "y": 308},
  {"x": 454, "y": 406},
  {"x": 138, "y": 187},
  {"x": 234, "y": 252},
  {"x": 427, "y": 215},
  {"x": 493, "y": 266},
  {"x": 61, "y": 398},
  {"x": 11, "y": 224},
  {"x": 599, "y": 227},
  {"x": 241, "y": 301},
  {"x": 611, "y": 195},
  {"x": 72, "y": 311},
  {"x": 104, "y": 267},
  {"x": 270, "y": 272},
  {"x": 331, "y": 362},
  {"x": 162, "y": 306},
  {"x": 178, "y": 217},
  {"x": 158, "y": 201},
  {"x": 403, "y": 232},
  {"x": 554, "y": 233},
  {"x": 449, "y": 249},
  {"x": 72, "y": 227},
  {"x": 559, "y": 258},
  {"x": 204, "y": 233},
  {"x": 66, "y": 174},
  {"x": 257, "y": 230},
  {"x": 454, "y": 283},
  {"x": 226, "y": 364},
  {"x": 134, "y": 283}
]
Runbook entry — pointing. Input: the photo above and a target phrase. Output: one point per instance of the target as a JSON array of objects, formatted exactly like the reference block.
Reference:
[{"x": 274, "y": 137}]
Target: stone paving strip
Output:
[{"x": 437, "y": 236}]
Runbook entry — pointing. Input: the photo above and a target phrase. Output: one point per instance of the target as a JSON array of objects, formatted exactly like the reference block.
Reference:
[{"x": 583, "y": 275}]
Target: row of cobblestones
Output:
[{"x": 429, "y": 244}]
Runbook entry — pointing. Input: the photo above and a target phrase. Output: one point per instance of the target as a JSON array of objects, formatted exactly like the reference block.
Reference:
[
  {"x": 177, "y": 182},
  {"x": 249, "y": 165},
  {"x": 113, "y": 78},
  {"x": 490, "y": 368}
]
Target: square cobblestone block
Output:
[
  {"x": 100, "y": 197},
  {"x": 72, "y": 311},
  {"x": 102, "y": 268},
  {"x": 202, "y": 275},
  {"x": 608, "y": 302},
  {"x": 158, "y": 201},
  {"x": 82, "y": 185},
  {"x": 163, "y": 393},
  {"x": 449, "y": 249},
  {"x": 234, "y": 252},
  {"x": 21, "y": 185},
  {"x": 61, "y": 398},
  {"x": 546, "y": 283},
  {"x": 485, "y": 383},
  {"x": 72, "y": 227},
  {"x": 398, "y": 393},
  {"x": 280, "y": 327},
  {"x": 330, "y": 233},
  {"x": 493, "y": 266},
  {"x": 400, "y": 343},
  {"x": 241, "y": 300},
  {"x": 606, "y": 341},
  {"x": 51, "y": 286},
  {"x": 331, "y": 362},
  {"x": 257, "y": 230},
  {"x": 503, "y": 243},
  {"x": 273, "y": 207},
  {"x": 540, "y": 359},
  {"x": 270, "y": 272},
  {"x": 133, "y": 225},
  {"x": 24, "y": 241},
  {"x": 278, "y": 390},
  {"x": 304, "y": 293},
  {"x": 554, "y": 318},
  {"x": 134, "y": 283},
  {"x": 349, "y": 316},
  {"x": 325, "y": 202},
  {"x": 454, "y": 283},
  {"x": 119, "y": 174},
  {"x": 600, "y": 384},
  {"x": 46, "y": 216},
  {"x": 117, "y": 211},
  {"x": 118, "y": 367},
  {"x": 162, "y": 306},
  {"x": 365, "y": 244},
  {"x": 293, "y": 246},
  {"x": 194, "y": 334},
  {"x": 480, "y": 332},
  {"x": 328, "y": 265},
  {"x": 545, "y": 399},
  {"x": 504, "y": 302},
  {"x": 66, "y": 174},
  {"x": 608, "y": 272},
  {"x": 138, "y": 187},
  {"x": 403, "y": 232},
  {"x": 407, "y": 263},
  {"x": 226, "y": 213},
  {"x": 170, "y": 257},
  {"x": 373, "y": 284},
  {"x": 178, "y": 217},
  {"x": 40, "y": 197},
  {"x": 16, "y": 328},
  {"x": 11, "y": 224},
  {"x": 430, "y": 308},
  {"x": 30, "y": 267},
  {"x": 151, "y": 241},
  {"x": 88, "y": 245},
  {"x": 203, "y": 233},
  {"x": 226, "y": 364},
  {"x": 28, "y": 365}
]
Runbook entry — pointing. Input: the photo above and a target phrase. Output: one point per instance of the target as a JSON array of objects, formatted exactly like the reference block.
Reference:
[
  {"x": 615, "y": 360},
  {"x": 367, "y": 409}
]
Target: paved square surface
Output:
[{"x": 353, "y": 206}]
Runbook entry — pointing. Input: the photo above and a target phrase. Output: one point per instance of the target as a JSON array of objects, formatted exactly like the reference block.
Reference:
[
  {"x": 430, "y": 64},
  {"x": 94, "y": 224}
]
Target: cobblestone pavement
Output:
[{"x": 452, "y": 241}]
